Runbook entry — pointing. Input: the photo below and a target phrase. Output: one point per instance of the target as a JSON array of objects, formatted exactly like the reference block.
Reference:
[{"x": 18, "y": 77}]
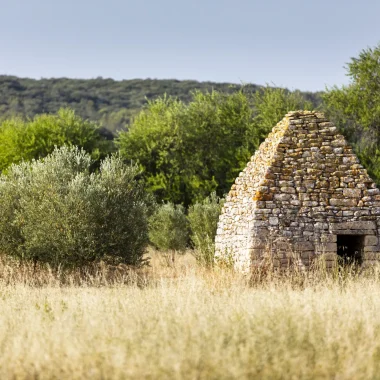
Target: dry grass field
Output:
[{"x": 187, "y": 323}]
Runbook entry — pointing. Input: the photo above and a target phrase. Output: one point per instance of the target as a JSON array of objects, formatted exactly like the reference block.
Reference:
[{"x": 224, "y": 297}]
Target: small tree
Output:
[
  {"x": 168, "y": 230},
  {"x": 203, "y": 218},
  {"x": 55, "y": 211}
]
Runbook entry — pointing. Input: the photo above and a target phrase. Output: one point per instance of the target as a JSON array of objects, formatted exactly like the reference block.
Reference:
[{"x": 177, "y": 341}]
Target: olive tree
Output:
[{"x": 56, "y": 211}]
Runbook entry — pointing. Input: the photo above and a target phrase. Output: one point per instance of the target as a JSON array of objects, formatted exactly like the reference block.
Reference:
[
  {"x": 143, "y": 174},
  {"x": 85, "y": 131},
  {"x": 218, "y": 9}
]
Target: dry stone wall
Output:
[{"x": 302, "y": 189}]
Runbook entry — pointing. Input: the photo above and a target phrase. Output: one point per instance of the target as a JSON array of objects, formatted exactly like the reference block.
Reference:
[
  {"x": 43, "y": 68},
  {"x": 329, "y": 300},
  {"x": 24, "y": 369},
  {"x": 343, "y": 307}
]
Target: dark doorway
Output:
[{"x": 350, "y": 249}]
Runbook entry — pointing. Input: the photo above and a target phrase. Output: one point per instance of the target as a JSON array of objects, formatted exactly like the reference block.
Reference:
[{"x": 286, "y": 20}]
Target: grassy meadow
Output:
[{"x": 185, "y": 322}]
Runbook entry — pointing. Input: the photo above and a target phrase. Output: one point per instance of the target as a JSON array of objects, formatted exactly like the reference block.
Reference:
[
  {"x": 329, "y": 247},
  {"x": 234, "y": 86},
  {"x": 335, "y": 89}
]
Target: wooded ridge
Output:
[{"x": 110, "y": 102}]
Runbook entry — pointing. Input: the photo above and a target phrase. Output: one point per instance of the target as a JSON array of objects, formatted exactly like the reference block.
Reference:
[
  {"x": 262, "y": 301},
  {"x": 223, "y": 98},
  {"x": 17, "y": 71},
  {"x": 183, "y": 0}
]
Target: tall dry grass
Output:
[{"x": 185, "y": 322}]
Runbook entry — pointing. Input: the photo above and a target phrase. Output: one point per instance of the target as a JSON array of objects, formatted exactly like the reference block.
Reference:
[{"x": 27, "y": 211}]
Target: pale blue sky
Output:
[{"x": 293, "y": 43}]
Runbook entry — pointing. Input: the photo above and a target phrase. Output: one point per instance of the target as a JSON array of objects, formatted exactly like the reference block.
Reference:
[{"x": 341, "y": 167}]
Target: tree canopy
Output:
[
  {"x": 355, "y": 108},
  {"x": 187, "y": 151},
  {"x": 35, "y": 138}
]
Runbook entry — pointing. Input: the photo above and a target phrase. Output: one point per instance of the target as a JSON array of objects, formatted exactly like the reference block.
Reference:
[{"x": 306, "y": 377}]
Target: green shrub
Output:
[
  {"x": 168, "y": 229},
  {"x": 203, "y": 218},
  {"x": 55, "y": 211}
]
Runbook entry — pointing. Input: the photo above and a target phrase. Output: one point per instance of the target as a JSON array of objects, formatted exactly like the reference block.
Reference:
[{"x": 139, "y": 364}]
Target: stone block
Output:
[
  {"x": 329, "y": 247},
  {"x": 328, "y": 238},
  {"x": 310, "y": 203},
  {"x": 360, "y": 213},
  {"x": 327, "y": 256},
  {"x": 338, "y": 143},
  {"x": 355, "y": 225},
  {"x": 320, "y": 226},
  {"x": 273, "y": 221},
  {"x": 288, "y": 190},
  {"x": 304, "y": 246},
  {"x": 355, "y": 232},
  {"x": 352, "y": 193},
  {"x": 371, "y": 256},
  {"x": 343, "y": 202},
  {"x": 304, "y": 196},
  {"x": 261, "y": 223},
  {"x": 371, "y": 240},
  {"x": 327, "y": 124},
  {"x": 350, "y": 159},
  {"x": 372, "y": 192},
  {"x": 286, "y": 183},
  {"x": 307, "y": 255},
  {"x": 282, "y": 197},
  {"x": 370, "y": 248}
]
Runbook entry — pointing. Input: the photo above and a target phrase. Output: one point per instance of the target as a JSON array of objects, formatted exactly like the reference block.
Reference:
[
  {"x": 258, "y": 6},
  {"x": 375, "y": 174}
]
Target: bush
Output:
[
  {"x": 168, "y": 229},
  {"x": 55, "y": 211},
  {"x": 203, "y": 218}
]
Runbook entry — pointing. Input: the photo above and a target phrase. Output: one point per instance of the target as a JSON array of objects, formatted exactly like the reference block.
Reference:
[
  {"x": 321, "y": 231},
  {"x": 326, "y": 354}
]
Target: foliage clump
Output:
[
  {"x": 271, "y": 104},
  {"x": 56, "y": 211},
  {"x": 36, "y": 138},
  {"x": 203, "y": 219},
  {"x": 355, "y": 109},
  {"x": 168, "y": 228}
]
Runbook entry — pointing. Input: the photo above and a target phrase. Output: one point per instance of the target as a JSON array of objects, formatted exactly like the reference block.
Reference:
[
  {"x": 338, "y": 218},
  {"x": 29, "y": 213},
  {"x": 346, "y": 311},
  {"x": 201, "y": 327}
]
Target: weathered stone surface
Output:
[
  {"x": 329, "y": 256},
  {"x": 273, "y": 221},
  {"x": 326, "y": 247},
  {"x": 304, "y": 246},
  {"x": 356, "y": 232},
  {"x": 302, "y": 188},
  {"x": 371, "y": 256},
  {"x": 371, "y": 240},
  {"x": 352, "y": 193},
  {"x": 355, "y": 225},
  {"x": 370, "y": 248},
  {"x": 343, "y": 202},
  {"x": 328, "y": 239}
]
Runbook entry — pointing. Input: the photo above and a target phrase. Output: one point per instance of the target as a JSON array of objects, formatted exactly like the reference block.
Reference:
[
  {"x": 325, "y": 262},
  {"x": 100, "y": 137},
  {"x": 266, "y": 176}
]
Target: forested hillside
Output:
[{"x": 105, "y": 100}]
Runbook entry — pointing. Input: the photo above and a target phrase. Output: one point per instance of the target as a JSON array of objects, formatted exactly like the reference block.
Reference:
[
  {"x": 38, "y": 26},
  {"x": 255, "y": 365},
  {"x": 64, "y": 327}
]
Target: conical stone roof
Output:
[{"x": 302, "y": 188}]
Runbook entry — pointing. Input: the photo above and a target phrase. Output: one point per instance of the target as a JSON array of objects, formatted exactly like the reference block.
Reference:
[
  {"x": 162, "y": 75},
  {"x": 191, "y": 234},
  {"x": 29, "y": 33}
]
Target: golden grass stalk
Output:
[{"x": 187, "y": 322}]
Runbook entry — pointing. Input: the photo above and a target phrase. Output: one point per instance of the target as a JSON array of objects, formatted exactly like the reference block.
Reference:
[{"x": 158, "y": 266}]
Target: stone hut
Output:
[{"x": 303, "y": 195}]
